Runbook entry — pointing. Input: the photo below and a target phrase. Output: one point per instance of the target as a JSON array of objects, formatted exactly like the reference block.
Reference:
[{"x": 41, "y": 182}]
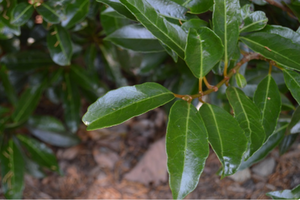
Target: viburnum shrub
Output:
[{"x": 229, "y": 73}]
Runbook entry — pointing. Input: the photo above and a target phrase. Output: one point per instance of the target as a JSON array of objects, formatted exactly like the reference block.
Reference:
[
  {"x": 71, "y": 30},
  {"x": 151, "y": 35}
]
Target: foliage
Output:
[{"x": 65, "y": 53}]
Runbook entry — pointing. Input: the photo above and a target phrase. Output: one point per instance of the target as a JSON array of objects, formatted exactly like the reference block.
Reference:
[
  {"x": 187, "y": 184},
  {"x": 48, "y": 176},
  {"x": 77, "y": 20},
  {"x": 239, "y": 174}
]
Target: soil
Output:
[{"x": 96, "y": 169}]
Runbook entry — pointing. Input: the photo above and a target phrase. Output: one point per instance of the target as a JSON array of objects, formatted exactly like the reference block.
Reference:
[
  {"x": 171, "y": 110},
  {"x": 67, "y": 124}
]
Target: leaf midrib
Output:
[
  {"x": 50, "y": 9},
  {"x": 60, "y": 44},
  {"x": 286, "y": 71},
  {"x": 252, "y": 24},
  {"x": 201, "y": 55},
  {"x": 20, "y": 113},
  {"x": 21, "y": 14},
  {"x": 266, "y": 97}
]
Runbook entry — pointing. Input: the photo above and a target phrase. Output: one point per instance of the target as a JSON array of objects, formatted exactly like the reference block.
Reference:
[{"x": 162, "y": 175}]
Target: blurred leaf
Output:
[
  {"x": 199, "y": 55},
  {"x": 292, "y": 80},
  {"x": 124, "y": 103},
  {"x": 12, "y": 171},
  {"x": 240, "y": 80},
  {"x": 117, "y": 6},
  {"x": 187, "y": 148},
  {"x": 39, "y": 152},
  {"x": 49, "y": 13},
  {"x": 287, "y": 142},
  {"x": 90, "y": 57},
  {"x": 196, "y": 6},
  {"x": 286, "y": 103},
  {"x": 293, "y": 194},
  {"x": 75, "y": 12},
  {"x": 151, "y": 61},
  {"x": 172, "y": 53},
  {"x": 33, "y": 168},
  {"x": 3, "y": 111},
  {"x": 8, "y": 30},
  {"x": 60, "y": 46},
  {"x": 225, "y": 136},
  {"x": 295, "y": 122},
  {"x": 21, "y": 14},
  {"x": 9, "y": 89},
  {"x": 193, "y": 23}
]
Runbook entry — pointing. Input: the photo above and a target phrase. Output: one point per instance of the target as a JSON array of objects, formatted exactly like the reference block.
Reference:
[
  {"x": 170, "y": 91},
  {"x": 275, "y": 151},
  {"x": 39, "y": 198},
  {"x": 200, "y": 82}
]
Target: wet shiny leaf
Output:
[
  {"x": 254, "y": 22},
  {"x": 293, "y": 194},
  {"x": 117, "y": 6},
  {"x": 21, "y": 14}
]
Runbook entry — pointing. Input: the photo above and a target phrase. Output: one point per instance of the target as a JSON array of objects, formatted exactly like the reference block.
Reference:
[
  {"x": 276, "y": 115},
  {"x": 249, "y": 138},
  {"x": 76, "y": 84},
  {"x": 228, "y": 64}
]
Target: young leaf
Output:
[
  {"x": 196, "y": 6},
  {"x": 170, "y": 34},
  {"x": 267, "y": 99},
  {"x": 254, "y": 22},
  {"x": 124, "y": 103},
  {"x": 293, "y": 194},
  {"x": 9, "y": 89},
  {"x": 187, "y": 148},
  {"x": 199, "y": 54},
  {"x": 248, "y": 116},
  {"x": 39, "y": 152},
  {"x": 75, "y": 12},
  {"x": 12, "y": 171},
  {"x": 117, "y": 6},
  {"x": 240, "y": 80},
  {"x": 226, "y": 21},
  {"x": 49, "y": 13},
  {"x": 135, "y": 37},
  {"x": 21, "y": 14},
  {"x": 226, "y": 137},
  {"x": 60, "y": 46},
  {"x": 292, "y": 80}
]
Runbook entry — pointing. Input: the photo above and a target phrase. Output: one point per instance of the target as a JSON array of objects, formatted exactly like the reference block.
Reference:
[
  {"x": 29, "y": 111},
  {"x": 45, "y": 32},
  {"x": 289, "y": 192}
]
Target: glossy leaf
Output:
[
  {"x": 226, "y": 21},
  {"x": 171, "y": 53},
  {"x": 226, "y": 137},
  {"x": 187, "y": 148},
  {"x": 199, "y": 54},
  {"x": 272, "y": 142},
  {"x": 254, "y": 22},
  {"x": 124, "y": 103},
  {"x": 12, "y": 171},
  {"x": 39, "y": 152},
  {"x": 71, "y": 104},
  {"x": 136, "y": 38},
  {"x": 9, "y": 89},
  {"x": 170, "y": 34},
  {"x": 60, "y": 46},
  {"x": 117, "y": 6},
  {"x": 240, "y": 80},
  {"x": 267, "y": 99},
  {"x": 193, "y": 23},
  {"x": 287, "y": 142},
  {"x": 75, "y": 12},
  {"x": 51, "y": 131},
  {"x": 295, "y": 122},
  {"x": 8, "y": 30},
  {"x": 293, "y": 194},
  {"x": 196, "y": 6},
  {"x": 275, "y": 44},
  {"x": 292, "y": 80},
  {"x": 248, "y": 116},
  {"x": 49, "y": 13},
  {"x": 21, "y": 14}
]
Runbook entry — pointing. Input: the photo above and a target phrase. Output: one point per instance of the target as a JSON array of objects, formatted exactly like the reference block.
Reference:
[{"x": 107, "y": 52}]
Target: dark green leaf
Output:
[
  {"x": 60, "y": 46},
  {"x": 267, "y": 99},
  {"x": 51, "y": 131},
  {"x": 254, "y": 22},
  {"x": 226, "y": 21},
  {"x": 226, "y": 137},
  {"x": 90, "y": 57},
  {"x": 21, "y": 14},
  {"x": 124, "y": 103},
  {"x": 75, "y": 12},
  {"x": 3, "y": 111},
  {"x": 8, "y": 30},
  {"x": 199, "y": 54},
  {"x": 240, "y": 80},
  {"x": 49, "y": 13},
  {"x": 193, "y": 23},
  {"x": 136, "y": 38},
  {"x": 9, "y": 89},
  {"x": 287, "y": 142},
  {"x": 286, "y": 103},
  {"x": 170, "y": 34},
  {"x": 151, "y": 61},
  {"x": 249, "y": 118},
  {"x": 33, "y": 168},
  {"x": 12, "y": 171},
  {"x": 293, "y": 194},
  {"x": 196, "y": 6},
  {"x": 292, "y": 80},
  {"x": 39, "y": 152},
  {"x": 295, "y": 122},
  {"x": 172, "y": 53},
  {"x": 117, "y": 6},
  {"x": 71, "y": 104},
  {"x": 187, "y": 148}
]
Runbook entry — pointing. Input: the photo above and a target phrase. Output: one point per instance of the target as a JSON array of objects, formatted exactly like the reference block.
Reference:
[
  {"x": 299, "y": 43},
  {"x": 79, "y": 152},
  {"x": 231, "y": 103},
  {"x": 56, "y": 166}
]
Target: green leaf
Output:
[
  {"x": 196, "y": 6},
  {"x": 71, "y": 104},
  {"x": 248, "y": 116},
  {"x": 199, "y": 54},
  {"x": 254, "y": 22},
  {"x": 171, "y": 53},
  {"x": 135, "y": 37},
  {"x": 286, "y": 103},
  {"x": 124, "y": 103},
  {"x": 226, "y": 21},
  {"x": 275, "y": 43},
  {"x": 75, "y": 12},
  {"x": 294, "y": 124},
  {"x": 293, "y": 194},
  {"x": 60, "y": 46},
  {"x": 193, "y": 23},
  {"x": 226, "y": 137},
  {"x": 49, "y": 13},
  {"x": 267, "y": 99},
  {"x": 170, "y": 34},
  {"x": 21, "y": 14},
  {"x": 8, "y": 30},
  {"x": 28, "y": 102},
  {"x": 51, "y": 131},
  {"x": 187, "y": 148},
  {"x": 12, "y": 171},
  {"x": 3, "y": 110},
  {"x": 117, "y": 6},
  {"x": 9, "y": 89},
  {"x": 26, "y": 60},
  {"x": 276, "y": 137},
  {"x": 39, "y": 152},
  {"x": 292, "y": 80},
  {"x": 240, "y": 80}
]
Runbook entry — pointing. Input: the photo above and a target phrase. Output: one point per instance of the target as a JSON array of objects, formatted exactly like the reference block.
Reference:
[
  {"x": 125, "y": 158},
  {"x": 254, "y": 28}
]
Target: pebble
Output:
[
  {"x": 265, "y": 168},
  {"x": 241, "y": 176}
]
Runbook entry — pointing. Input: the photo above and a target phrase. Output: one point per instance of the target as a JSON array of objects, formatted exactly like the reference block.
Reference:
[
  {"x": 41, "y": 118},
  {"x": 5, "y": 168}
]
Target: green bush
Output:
[{"x": 236, "y": 61}]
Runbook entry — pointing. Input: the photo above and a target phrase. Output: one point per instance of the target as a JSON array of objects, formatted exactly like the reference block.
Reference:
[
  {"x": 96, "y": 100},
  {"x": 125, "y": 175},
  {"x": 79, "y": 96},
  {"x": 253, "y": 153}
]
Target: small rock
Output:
[
  {"x": 265, "y": 168},
  {"x": 241, "y": 176},
  {"x": 105, "y": 157},
  {"x": 70, "y": 153}
]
